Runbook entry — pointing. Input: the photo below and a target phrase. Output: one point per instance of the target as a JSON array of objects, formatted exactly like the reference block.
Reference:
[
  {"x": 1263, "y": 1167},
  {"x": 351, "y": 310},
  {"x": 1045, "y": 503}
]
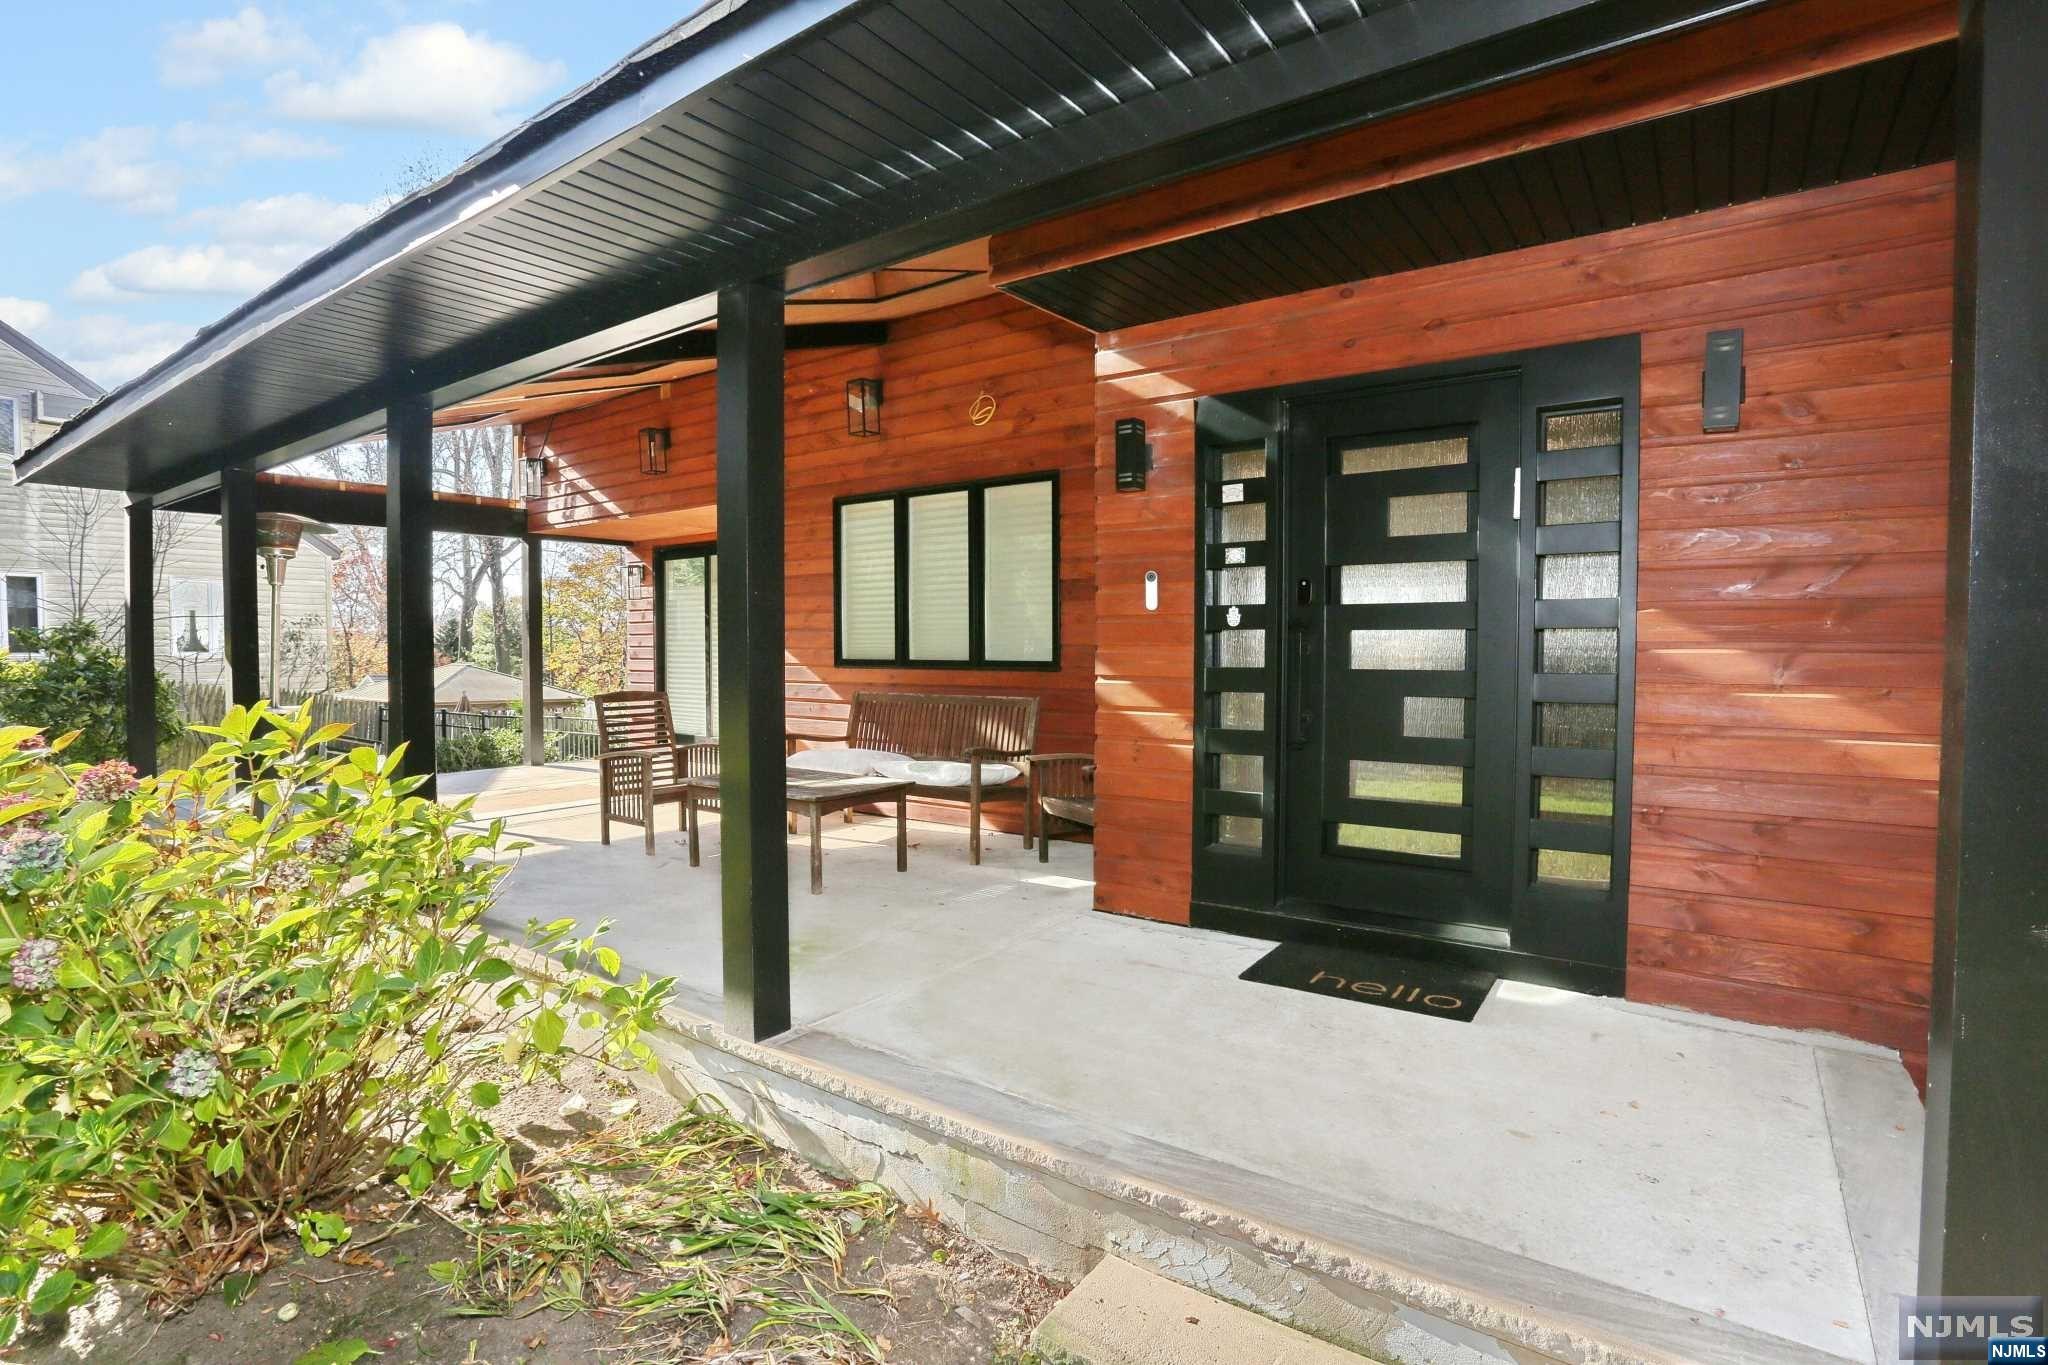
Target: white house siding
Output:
[{"x": 40, "y": 525}]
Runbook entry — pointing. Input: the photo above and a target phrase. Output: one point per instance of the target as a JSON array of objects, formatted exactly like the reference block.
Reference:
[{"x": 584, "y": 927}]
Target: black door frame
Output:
[
  {"x": 1571, "y": 938},
  {"x": 702, "y": 549}
]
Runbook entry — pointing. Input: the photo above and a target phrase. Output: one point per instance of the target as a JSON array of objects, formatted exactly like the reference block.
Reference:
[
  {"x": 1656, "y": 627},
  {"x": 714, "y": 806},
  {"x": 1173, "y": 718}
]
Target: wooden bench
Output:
[
  {"x": 639, "y": 763},
  {"x": 946, "y": 728}
]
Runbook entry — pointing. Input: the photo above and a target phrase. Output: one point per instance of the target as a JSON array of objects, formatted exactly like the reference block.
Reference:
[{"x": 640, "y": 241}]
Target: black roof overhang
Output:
[{"x": 588, "y": 232}]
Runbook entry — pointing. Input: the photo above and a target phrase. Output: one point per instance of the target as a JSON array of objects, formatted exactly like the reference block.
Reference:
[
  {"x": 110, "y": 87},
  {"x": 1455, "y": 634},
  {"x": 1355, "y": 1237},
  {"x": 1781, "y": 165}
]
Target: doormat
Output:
[{"x": 1399, "y": 983}]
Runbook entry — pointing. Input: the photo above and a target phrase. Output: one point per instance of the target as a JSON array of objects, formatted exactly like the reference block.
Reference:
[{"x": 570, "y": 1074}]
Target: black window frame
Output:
[{"x": 977, "y": 571}]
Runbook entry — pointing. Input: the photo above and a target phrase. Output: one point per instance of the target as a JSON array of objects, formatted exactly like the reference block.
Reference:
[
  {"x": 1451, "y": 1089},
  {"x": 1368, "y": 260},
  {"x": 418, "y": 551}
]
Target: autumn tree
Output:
[{"x": 584, "y": 631}]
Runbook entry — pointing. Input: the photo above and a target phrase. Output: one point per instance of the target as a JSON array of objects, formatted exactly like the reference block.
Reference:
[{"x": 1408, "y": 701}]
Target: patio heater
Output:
[{"x": 277, "y": 544}]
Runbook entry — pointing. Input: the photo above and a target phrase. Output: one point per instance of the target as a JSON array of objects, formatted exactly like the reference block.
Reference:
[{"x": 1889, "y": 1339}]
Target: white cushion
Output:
[
  {"x": 849, "y": 762},
  {"x": 930, "y": 773}
]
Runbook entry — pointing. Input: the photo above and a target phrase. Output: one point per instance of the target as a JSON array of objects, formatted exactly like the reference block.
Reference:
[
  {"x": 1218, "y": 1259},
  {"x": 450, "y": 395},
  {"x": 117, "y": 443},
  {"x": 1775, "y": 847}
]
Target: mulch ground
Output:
[{"x": 910, "y": 1288}]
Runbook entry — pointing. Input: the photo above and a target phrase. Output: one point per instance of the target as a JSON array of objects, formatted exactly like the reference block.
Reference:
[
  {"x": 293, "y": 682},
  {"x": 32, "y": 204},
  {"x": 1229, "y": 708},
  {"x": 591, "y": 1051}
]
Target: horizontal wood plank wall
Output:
[
  {"x": 1790, "y": 589},
  {"x": 1038, "y": 369}
]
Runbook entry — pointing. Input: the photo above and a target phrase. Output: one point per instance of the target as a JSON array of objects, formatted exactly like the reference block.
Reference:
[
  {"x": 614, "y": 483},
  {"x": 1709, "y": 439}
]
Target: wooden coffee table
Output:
[{"x": 817, "y": 795}]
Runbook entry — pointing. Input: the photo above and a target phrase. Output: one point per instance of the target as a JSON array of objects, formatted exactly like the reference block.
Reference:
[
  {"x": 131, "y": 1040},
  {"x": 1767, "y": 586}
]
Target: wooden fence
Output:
[{"x": 571, "y": 737}]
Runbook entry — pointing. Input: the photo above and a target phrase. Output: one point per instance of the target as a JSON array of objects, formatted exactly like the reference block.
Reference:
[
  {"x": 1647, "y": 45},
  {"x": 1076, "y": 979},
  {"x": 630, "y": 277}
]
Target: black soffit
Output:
[
  {"x": 1862, "y": 121},
  {"x": 806, "y": 140}
]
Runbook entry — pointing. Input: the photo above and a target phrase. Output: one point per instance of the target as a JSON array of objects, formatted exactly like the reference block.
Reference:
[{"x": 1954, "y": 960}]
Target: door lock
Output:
[{"x": 1305, "y": 592}]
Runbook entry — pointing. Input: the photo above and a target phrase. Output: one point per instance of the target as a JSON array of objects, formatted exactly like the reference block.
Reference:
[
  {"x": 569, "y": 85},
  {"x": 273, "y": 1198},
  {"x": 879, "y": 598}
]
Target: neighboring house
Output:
[{"x": 61, "y": 549}]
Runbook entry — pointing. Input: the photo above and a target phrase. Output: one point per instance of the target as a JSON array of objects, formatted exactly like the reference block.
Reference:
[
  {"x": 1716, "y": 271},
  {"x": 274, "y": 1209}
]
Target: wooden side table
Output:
[{"x": 816, "y": 795}]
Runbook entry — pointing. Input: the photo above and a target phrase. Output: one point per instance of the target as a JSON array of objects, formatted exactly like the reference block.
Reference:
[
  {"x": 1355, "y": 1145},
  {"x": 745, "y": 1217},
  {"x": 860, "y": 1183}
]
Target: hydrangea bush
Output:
[{"x": 235, "y": 992}]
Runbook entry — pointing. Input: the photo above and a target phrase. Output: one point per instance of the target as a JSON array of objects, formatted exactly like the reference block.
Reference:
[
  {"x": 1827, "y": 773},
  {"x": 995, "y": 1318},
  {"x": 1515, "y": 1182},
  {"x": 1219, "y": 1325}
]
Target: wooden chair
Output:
[
  {"x": 639, "y": 763},
  {"x": 946, "y": 728},
  {"x": 1062, "y": 791}
]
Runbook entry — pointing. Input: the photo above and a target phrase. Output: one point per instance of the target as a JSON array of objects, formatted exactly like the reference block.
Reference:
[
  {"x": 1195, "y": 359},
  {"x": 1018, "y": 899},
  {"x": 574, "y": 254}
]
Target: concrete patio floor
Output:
[{"x": 1703, "y": 1189}]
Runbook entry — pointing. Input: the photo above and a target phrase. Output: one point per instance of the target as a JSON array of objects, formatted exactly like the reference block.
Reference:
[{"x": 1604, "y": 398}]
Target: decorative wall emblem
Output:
[
  {"x": 1233, "y": 616},
  {"x": 983, "y": 409}
]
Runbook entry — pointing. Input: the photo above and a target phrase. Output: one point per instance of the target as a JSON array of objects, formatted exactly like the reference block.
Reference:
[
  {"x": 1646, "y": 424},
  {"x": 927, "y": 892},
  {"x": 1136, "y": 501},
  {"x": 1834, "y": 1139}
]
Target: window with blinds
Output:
[
  {"x": 962, "y": 576},
  {"x": 867, "y": 580},
  {"x": 689, "y": 642},
  {"x": 941, "y": 596}
]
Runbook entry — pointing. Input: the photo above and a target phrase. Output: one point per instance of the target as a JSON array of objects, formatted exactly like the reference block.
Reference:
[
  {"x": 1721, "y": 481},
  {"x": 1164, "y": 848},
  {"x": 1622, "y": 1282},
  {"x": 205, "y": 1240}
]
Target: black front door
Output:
[
  {"x": 1401, "y": 660},
  {"x": 1414, "y": 673}
]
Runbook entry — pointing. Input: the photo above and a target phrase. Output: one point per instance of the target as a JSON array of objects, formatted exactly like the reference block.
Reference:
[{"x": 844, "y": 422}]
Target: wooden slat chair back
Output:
[
  {"x": 947, "y": 728},
  {"x": 639, "y": 764},
  {"x": 1062, "y": 793}
]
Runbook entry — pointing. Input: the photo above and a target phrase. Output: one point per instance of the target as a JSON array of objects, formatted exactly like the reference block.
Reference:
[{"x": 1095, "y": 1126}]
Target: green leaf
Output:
[
  {"x": 287, "y": 920},
  {"x": 320, "y": 1233},
  {"x": 176, "y": 1134},
  {"x": 336, "y": 1352},
  {"x": 608, "y": 958},
  {"x": 445, "y": 1272},
  {"x": 107, "y": 1238},
  {"x": 53, "y": 1293},
  {"x": 492, "y": 970},
  {"x": 484, "y": 1094},
  {"x": 549, "y": 1029},
  {"x": 235, "y": 1288}
]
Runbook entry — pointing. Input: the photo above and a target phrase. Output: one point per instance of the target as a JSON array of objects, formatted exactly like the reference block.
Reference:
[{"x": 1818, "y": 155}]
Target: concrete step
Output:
[{"x": 1123, "y": 1314}]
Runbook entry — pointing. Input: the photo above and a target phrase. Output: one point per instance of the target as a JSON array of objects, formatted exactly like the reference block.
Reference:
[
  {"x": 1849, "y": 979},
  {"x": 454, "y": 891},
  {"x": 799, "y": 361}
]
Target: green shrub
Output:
[
  {"x": 226, "y": 1000},
  {"x": 502, "y": 747},
  {"x": 80, "y": 683}
]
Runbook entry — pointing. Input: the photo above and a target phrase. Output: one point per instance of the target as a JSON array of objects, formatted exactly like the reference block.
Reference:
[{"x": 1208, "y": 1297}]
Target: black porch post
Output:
[
  {"x": 240, "y": 610},
  {"x": 754, "y": 865},
  {"x": 531, "y": 679},
  {"x": 409, "y": 579},
  {"x": 140, "y": 644},
  {"x": 1984, "y": 1214}
]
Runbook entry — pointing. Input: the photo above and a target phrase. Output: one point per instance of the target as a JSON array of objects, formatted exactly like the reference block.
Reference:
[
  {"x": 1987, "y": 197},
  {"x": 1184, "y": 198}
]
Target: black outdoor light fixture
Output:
[
  {"x": 654, "y": 450},
  {"x": 1722, "y": 381},
  {"x": 1133, "y": 454},
  {"x": 863, "y": 407},
  {"x": 533, "y": 473}
]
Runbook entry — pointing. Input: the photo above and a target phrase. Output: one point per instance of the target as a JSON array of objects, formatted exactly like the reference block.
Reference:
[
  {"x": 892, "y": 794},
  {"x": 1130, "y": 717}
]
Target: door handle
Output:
[{"x": 1301, "y": 721}]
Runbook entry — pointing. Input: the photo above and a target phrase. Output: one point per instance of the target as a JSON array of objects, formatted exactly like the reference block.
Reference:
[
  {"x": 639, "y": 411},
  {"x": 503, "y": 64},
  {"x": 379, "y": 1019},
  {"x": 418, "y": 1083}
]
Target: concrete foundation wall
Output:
[{"x": 1062, "y": 1215}]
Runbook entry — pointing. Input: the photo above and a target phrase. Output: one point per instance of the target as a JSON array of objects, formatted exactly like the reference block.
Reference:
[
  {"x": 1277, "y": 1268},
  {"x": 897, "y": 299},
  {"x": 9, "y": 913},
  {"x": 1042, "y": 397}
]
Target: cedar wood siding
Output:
[
  {"x": 1790, "y": 589},
  {"x": 1040, "y": 371}
]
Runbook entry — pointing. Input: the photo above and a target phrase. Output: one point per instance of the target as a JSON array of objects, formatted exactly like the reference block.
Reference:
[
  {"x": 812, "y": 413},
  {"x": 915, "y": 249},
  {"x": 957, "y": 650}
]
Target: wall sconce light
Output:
[
  {"x": 863, "y": 407},
  {"x": 1723, "y": 382},
  {"x": 533, "y": 474},
  {"x": 654, "y": 450},
  {"x": 636, "y": 573},
  {"x": 1133, "y": 455}
]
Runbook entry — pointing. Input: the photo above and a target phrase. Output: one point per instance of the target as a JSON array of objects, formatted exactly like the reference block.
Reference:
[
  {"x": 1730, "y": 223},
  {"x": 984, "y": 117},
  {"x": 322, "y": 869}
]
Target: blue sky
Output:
[{"x": 161, "y": 161}]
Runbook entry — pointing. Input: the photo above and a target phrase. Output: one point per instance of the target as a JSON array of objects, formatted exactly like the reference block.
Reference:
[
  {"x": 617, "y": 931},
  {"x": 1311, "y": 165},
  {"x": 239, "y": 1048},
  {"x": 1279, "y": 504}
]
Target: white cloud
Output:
[
  {"x": 437, "y": 77},
  {"x": 305, "y": 222},
  {"x": 210, "y": 51},
  {"x": 119, "y": 166},
  {"x": 107, "y": 349},
  {"x": 17, "y": 175},
  {"x": 236, "y": 271},
  {"x": 29, "y": 315},
  {"x": 222, "y": 145}
]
